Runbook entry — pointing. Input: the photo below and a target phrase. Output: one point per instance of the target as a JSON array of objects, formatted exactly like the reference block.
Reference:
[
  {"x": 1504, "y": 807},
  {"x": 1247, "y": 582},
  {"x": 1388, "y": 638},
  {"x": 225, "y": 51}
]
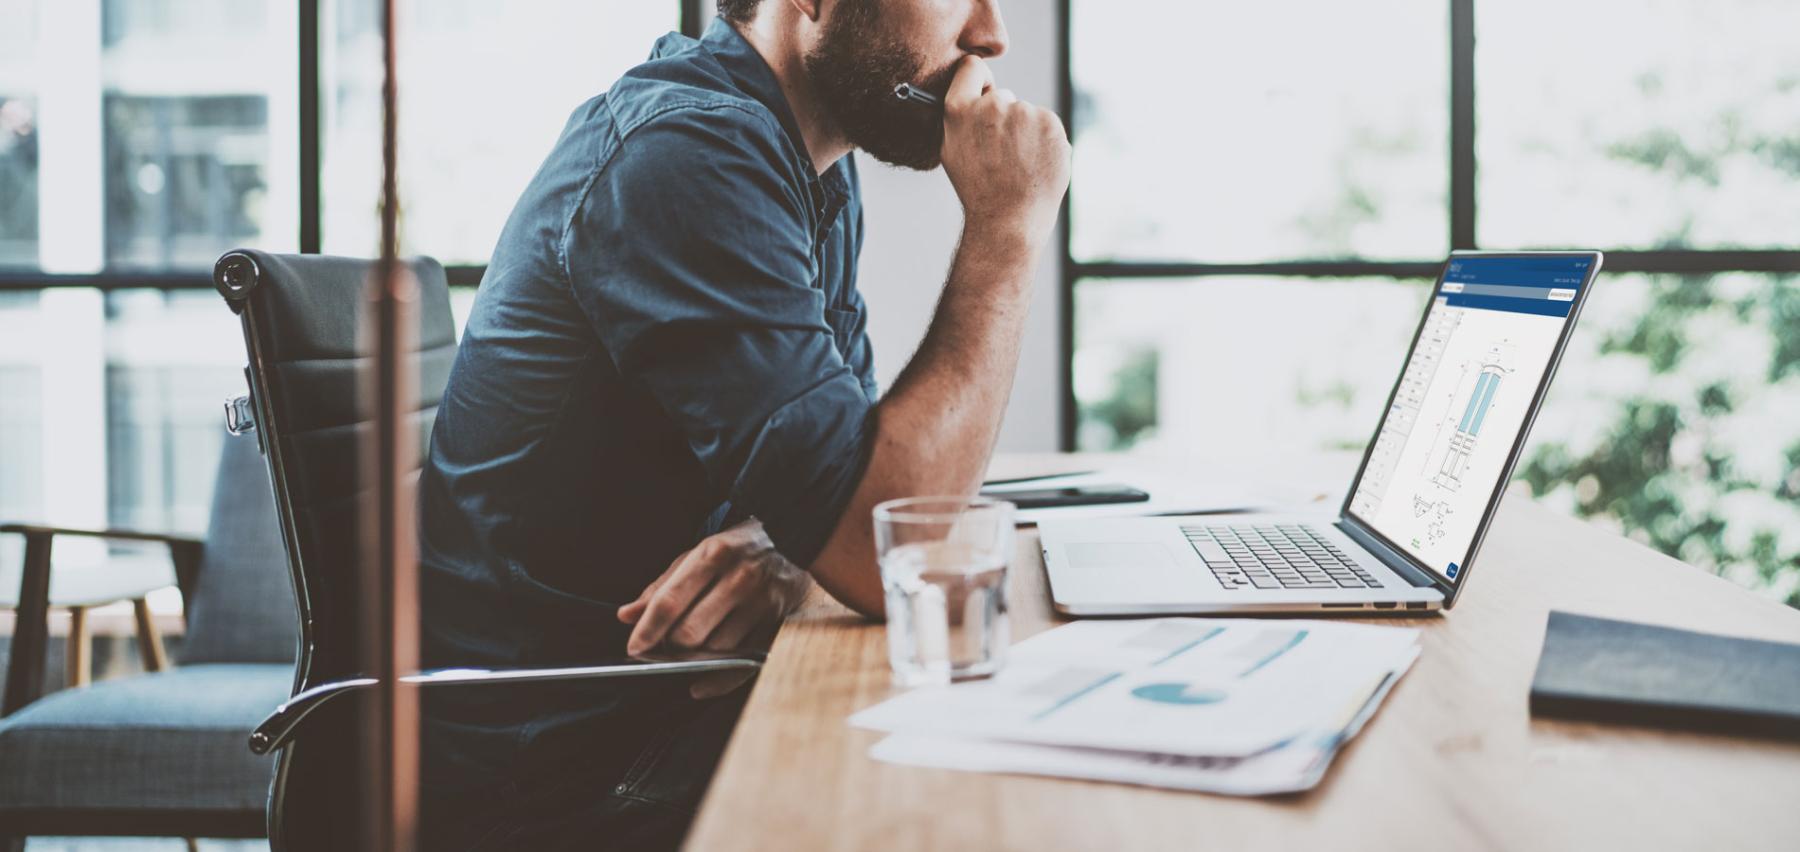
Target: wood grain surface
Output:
[{"x": 1452, "y": 762}]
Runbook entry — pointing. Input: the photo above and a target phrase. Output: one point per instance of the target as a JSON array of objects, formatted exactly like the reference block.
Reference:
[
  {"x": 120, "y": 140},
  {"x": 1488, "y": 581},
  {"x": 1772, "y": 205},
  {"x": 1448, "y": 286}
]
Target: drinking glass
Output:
[{"x": 943, "y": 566}]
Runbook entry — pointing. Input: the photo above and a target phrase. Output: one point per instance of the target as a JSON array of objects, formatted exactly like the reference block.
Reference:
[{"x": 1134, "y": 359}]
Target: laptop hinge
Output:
[{"x": 1390, "y": 557}]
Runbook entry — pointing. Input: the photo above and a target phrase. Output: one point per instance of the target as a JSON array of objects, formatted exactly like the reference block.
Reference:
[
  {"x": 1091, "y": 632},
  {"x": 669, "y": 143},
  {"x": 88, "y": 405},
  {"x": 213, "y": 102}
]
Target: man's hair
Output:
[{"x": 738, "y": 11}]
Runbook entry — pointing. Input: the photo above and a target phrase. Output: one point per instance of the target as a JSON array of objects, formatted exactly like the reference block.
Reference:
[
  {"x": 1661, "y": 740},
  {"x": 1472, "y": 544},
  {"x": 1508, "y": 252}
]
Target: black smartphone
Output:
[{"x": 1075, "y": 495}]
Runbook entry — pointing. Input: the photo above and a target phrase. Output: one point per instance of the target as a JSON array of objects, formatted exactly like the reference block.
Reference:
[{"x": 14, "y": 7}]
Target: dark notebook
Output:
[{"x": 1598, "y": 669}]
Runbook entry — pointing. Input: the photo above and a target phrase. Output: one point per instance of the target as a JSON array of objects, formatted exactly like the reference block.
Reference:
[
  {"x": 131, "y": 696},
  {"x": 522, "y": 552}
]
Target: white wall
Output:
[{"x": 912, "y": 223}]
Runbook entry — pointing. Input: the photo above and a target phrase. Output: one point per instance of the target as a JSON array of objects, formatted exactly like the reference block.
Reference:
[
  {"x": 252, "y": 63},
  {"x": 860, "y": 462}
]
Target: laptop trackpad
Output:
[{"x": 1115, "y": 556}]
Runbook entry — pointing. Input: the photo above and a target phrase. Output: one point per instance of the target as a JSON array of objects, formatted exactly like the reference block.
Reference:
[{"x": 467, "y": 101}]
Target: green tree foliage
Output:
[
  {"x": 1128, "y": 412},
  {"x": 1702, "y": 460}
]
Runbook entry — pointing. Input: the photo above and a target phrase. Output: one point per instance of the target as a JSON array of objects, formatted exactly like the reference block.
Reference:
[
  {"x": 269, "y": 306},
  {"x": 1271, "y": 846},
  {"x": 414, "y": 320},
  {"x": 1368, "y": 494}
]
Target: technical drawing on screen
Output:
[{"x": 1462, "y": 400}]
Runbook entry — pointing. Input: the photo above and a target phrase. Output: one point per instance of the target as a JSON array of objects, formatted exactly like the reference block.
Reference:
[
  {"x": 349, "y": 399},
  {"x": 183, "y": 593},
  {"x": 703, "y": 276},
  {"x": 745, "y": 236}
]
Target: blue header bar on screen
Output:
[{"x": 1527, "y": 285}]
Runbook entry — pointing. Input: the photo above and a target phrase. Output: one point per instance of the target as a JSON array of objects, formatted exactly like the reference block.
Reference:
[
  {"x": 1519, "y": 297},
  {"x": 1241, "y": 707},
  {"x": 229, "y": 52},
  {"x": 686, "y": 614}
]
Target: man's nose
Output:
[{"x": 985, "y": 36}]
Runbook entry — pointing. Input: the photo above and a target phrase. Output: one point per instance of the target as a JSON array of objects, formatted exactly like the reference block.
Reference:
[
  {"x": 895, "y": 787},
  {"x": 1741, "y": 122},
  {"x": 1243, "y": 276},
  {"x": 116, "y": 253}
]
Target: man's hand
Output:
[
  {"x": 937, "y": 425},
  {"x": 717, "y": 596},
  {"x": 1007, "y": 159}
]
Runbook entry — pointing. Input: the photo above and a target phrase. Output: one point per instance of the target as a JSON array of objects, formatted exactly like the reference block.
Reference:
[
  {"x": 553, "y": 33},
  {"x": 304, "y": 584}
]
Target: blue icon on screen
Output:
[{"x": 1452, "y": 572}]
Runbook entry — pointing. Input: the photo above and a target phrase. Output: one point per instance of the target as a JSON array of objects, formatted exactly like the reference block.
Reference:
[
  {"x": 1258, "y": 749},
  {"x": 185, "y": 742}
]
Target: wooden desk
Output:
[{"x": 1453, "y": 761}]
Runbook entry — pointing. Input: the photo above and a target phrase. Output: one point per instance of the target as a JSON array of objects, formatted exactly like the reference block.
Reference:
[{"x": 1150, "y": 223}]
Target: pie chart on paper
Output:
[{"x": 1178, "y": 693}]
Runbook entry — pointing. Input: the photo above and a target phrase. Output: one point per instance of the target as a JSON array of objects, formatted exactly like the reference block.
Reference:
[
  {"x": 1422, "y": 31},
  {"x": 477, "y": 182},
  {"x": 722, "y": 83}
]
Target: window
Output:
[
  {"x": 1678, "y": 424},
  {"x": 1315, "y": 358},
  {"x": 1262, "y": 137},
  {"x": 484, "y": 90},
  {"x": 126, "y": 153},
  {"x": 1250, "y": 238},
  {"x": 140, "y": 139},
  {"x": 1629, "y": 124},
  {"x": 185, "y": 178}
]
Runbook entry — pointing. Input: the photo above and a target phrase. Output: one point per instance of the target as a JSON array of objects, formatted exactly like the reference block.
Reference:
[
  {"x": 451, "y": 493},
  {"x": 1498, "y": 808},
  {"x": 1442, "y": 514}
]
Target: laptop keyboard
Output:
[{"x": 1275, "y": 556}]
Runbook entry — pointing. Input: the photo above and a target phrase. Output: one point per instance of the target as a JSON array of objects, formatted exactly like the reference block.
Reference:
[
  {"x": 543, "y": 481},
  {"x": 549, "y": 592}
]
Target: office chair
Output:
[
  {"x": 162, "y": 753},
  {"x": 301, "y": 316}
]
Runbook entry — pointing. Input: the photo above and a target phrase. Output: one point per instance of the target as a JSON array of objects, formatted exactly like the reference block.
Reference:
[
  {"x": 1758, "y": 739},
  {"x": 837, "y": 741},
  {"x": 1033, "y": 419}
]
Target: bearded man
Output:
[{"x": 662, "y": 423}]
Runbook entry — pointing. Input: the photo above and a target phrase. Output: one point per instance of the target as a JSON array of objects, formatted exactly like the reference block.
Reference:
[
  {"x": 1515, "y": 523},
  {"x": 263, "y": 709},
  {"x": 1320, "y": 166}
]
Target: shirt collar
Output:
[{"x": 752, "y": 75}]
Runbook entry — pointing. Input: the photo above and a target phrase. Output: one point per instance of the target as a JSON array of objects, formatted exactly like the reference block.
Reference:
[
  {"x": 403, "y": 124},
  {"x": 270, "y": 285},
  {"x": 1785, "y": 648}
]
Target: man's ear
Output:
[{"x": 809, "y": 8}]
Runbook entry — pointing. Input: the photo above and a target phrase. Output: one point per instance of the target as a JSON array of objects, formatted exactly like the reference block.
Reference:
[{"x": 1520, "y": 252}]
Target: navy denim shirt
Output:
[{"x": 668, "y": 340}]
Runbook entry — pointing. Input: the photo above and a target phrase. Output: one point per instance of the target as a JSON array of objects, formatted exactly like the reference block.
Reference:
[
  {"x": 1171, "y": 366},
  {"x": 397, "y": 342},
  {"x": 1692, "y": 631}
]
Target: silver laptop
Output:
[{"x": 1408, "y": 533}]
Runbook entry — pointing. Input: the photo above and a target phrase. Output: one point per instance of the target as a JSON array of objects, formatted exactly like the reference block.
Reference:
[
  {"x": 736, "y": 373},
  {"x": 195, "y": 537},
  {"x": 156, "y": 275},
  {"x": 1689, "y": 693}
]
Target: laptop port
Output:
[
  {"x": 1415, "y": 604},
  {"x": 1342, "y": 606},
  {"x": 1388, "y": 605}
]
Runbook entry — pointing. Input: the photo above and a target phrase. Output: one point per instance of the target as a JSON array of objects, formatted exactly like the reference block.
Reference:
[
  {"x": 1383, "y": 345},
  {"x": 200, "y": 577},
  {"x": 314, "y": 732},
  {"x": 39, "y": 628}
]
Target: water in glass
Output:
[{"x": 946, "y": 610}]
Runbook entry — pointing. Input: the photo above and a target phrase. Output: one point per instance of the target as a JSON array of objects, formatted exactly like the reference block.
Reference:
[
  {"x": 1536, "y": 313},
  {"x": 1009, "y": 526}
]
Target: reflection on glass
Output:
[
  {"x": 18, "y": 135},
  {"x": 1621, "y": 123},
  {"x": 1242, "y": 365},
  {"x": 484, "y": 90},
  {"x": 18, "y": 181},
  {"x": 1676, "y": 420},
  {"x": 1260, "y": 131}
]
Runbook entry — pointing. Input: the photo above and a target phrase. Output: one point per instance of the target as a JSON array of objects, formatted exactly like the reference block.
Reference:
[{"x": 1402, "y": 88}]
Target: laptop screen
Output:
[{"x": 1449, "y": 432}]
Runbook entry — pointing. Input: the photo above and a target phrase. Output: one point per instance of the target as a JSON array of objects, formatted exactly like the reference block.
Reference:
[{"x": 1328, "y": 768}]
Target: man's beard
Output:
[{"x": 853, "y": 72}]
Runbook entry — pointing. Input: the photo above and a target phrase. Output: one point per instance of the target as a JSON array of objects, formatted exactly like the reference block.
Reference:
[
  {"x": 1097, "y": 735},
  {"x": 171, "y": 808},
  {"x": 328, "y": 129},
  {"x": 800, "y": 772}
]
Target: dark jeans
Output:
[{"x": 608, "y": 765}]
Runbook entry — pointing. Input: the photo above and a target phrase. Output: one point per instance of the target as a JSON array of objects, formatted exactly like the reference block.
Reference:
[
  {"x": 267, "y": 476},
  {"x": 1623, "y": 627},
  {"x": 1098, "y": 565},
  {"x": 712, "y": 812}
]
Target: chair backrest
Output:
[
  {"x": 305, "y": 335},
  {"x": 242, "y": 606}
]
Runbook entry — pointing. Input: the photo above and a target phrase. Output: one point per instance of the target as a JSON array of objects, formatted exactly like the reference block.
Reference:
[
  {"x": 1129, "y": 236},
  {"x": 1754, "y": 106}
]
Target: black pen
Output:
[{"x": 913, "y": 94}]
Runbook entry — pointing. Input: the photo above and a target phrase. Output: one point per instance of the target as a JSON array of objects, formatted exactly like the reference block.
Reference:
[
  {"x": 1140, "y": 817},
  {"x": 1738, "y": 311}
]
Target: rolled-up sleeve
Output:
[{"x": 693, "y": 256}]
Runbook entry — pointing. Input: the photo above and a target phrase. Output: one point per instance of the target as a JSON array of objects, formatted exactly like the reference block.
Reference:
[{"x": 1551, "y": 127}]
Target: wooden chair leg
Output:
[
  {"x": 78, "y": 649},
  {"x": 150, "y": 644},
  {"x": 25, "y": 669}
]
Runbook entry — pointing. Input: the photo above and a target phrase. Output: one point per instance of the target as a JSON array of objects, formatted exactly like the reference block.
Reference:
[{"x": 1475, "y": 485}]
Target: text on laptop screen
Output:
[{"x": 1444, "y": 441}]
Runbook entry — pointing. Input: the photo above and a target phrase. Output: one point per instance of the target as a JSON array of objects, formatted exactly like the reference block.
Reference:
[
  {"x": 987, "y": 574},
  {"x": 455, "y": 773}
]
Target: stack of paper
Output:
[{"x": 1238, "y": 706}]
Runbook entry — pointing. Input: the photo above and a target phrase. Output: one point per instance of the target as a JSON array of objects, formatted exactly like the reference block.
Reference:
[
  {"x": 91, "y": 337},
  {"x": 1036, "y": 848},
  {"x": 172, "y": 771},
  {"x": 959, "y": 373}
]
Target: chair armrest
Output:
[
  {"x": 184, "y": 550},
  {"x": 118, "y": 534},
  {"x": 281, "y": 725}
]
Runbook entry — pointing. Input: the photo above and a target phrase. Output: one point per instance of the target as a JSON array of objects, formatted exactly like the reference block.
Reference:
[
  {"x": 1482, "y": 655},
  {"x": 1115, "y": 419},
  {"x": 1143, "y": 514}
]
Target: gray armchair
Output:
[{"x": 162, "y": 753}]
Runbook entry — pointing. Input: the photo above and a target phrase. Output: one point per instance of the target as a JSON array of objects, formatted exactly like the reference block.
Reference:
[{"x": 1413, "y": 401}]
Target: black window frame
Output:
[
  {"x": 1461, "y": 201},
  {"x": 311, "y": 230},
  {"x": 1462, "y": 209}
]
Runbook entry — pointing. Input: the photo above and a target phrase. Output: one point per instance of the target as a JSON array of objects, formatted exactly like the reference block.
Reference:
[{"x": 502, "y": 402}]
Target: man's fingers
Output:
[
  {"x": 719, "y": 683},
  {"x": 730, "y": 594},
  {"x": 631, "y": 612},
  {"x": 666, "y": 606},
  {"x": 973, "y": 79},
  {"x": 731, "y": 633},
  {"x": 1005, "y": 97}
]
